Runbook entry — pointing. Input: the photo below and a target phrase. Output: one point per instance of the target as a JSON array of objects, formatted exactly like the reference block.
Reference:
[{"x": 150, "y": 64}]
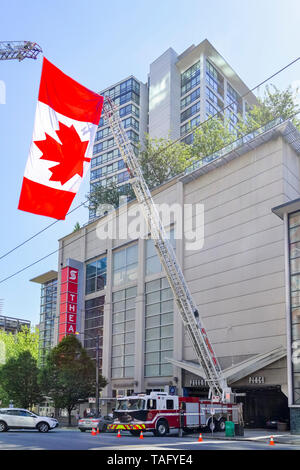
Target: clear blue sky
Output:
[{"x": 99, "y": 43}]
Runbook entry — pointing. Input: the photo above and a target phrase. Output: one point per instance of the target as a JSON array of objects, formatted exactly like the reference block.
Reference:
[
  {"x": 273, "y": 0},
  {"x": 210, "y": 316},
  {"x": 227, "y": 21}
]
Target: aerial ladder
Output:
[
  {"x": 218, "y": 389},
  {"x": 19, "y": 50}
]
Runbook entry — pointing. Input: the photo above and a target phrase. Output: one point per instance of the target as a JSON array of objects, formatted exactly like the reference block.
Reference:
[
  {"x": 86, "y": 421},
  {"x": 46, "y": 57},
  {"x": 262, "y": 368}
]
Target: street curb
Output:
[{"x": 224, "y": 438}]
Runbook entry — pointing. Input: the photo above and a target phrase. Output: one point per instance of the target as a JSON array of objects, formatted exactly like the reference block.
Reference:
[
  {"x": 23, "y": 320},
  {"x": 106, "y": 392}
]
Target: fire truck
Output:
[{"x": 161, "y": 413}]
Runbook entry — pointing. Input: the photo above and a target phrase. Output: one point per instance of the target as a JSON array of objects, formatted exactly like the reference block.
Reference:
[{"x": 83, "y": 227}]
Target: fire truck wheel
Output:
[
  {"x": 221, "y": 425},
  {"x": 211, "y": 425},
  {"x": 162, "y": 428}
]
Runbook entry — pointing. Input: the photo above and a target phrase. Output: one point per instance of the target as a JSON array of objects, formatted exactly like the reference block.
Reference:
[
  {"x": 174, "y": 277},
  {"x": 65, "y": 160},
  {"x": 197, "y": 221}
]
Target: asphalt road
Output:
[{"x": 60, "y": 439}]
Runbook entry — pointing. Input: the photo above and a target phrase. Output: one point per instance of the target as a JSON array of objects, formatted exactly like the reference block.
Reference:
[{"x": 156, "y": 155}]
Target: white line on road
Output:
[{"x": 161, "y": 446}]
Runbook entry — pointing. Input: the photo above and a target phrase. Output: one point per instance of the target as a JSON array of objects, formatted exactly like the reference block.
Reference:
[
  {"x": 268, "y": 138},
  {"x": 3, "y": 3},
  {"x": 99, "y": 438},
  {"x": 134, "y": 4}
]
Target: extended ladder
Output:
[
  {"x": 19, "y": 50},
  {"x": 186, "y": 306}
]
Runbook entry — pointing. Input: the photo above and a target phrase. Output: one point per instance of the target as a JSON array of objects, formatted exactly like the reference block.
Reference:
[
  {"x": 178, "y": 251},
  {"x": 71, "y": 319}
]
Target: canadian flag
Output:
[{"x": 66, "y": 120}]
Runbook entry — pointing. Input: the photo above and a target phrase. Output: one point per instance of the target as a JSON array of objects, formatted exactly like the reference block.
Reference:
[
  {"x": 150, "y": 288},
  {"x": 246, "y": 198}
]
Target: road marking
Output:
[
  {"x": 161, "y": 446},
  {"x": 130, "y": 448},
  {"x": 4, "y": 446},
  {"x": 265, "y": 437}
]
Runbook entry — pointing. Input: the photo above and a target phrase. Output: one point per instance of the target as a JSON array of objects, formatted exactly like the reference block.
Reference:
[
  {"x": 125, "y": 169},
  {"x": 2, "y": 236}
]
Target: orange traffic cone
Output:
[
  {"x": 98, "y": 432},
  {"x": 119, "y": 433},
  {"x": 272, "y": 443},
  {"x": 200, "y": 438},
  {"x": 93, "y": 432},
  {"x": 141, "y": 435}
]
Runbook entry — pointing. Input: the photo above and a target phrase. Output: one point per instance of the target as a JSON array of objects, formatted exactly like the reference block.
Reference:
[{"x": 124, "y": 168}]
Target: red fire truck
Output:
[{"x": 160, "y": 412}]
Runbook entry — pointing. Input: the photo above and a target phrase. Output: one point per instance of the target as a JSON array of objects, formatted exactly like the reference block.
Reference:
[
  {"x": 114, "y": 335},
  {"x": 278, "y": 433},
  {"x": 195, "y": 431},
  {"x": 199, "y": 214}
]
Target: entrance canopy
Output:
[{"x": 238, "y": 371}]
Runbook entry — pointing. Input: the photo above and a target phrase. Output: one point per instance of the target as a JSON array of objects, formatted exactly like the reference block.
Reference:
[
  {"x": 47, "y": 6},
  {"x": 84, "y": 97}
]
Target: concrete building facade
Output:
[{"x": 235, "y": 270}]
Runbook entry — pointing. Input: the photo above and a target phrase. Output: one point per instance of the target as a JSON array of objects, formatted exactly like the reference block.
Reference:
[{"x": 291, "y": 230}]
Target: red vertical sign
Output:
[{"x": 68, "y": 302}]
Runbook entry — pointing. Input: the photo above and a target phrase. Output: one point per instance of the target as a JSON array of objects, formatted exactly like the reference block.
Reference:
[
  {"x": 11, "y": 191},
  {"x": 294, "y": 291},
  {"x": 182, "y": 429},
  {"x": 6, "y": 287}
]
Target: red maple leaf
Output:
[{"x": 70, "y": 154}]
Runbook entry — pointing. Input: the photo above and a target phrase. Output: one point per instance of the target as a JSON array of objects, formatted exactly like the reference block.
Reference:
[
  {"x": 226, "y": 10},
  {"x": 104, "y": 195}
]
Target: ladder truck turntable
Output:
[{"x": 160, "y": 412}]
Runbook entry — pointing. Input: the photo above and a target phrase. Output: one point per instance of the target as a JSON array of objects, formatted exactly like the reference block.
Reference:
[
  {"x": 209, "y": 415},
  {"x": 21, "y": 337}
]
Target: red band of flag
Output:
[{"x": 65, "y": 125}]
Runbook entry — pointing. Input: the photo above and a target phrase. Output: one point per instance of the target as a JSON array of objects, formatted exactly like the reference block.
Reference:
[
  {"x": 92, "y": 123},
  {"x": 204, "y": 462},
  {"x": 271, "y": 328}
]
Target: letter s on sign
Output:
[{"x": 73, "y": 275}]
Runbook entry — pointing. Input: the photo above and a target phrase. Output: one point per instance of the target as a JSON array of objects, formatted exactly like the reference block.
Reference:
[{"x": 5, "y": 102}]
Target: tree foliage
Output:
[
  {"x": 107, "y": 196},
  {"x": 19, "y": 381},
  {"x": 69, "y": 374},
  {"x": 210, "y": 137},
  {"x": 14, "y": 344},
  {"x": 76, "y": 227},
  {"x": 274, "y": 104},
  {"x": 161, "y": 159}
]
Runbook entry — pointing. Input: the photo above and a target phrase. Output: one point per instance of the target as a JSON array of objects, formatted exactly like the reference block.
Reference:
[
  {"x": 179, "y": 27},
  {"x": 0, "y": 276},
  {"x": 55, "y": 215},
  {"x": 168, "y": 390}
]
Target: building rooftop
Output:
[
  {"x": 43, "y": 278},
  {"x": 206, "y": 48}
]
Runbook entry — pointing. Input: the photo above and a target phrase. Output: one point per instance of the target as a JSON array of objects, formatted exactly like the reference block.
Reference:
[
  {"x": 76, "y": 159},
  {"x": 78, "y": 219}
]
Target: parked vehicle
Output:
[
  {"x": 273, "y": 421},
  {"x": 97, "y": 422},
  {"x": 19, "y": 418},
  {"x": 160, "y": 412}
]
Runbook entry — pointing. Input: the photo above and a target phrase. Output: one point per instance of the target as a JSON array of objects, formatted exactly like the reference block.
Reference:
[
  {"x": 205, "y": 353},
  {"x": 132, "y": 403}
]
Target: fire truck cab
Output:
[{"x": 160, "y": 412}]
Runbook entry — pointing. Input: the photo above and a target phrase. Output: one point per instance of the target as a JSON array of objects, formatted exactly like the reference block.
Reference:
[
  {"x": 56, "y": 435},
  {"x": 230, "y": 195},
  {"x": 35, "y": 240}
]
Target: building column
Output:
[
  {"x": 107, "y": 324},
  {"x": 295, "y": 420},
  {"x": 140, "y": 321},
  {"x": 178, "y": 325}
]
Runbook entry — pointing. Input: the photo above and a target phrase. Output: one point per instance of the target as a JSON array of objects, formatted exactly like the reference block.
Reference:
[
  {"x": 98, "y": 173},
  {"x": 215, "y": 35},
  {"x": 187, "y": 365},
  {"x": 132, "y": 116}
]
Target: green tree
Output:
[
  {"x": 76, "y": 227},
  {"x": 108, "y": 196},
  {"x": 161, "y": 159},
  {"x": 13, "y": 344},
  {"x": 19, "y": 380},
  {"x": 274, "y": 104},
  {"x": 69, "y": 375},
  {"x": 210, "y": 137}
]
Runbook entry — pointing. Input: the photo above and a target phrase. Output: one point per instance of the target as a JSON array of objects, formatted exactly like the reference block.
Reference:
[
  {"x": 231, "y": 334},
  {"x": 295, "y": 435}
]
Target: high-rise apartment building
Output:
[
  {"x": 181, "y": 91},
  {"x": 12, "y": 325},
  {"x": 48, "y": 283},
  {"x": 186, "y": 89},
  {"x": 131, "y": 97}
]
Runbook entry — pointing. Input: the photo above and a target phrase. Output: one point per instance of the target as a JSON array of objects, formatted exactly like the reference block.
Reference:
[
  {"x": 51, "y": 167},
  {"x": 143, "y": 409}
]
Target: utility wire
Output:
[
  {"x": 94, "y": 229},
  {"x": 161, "y": 151},
  {"x": 225, "y": 107},
  {"x": 38, "y": 233}
]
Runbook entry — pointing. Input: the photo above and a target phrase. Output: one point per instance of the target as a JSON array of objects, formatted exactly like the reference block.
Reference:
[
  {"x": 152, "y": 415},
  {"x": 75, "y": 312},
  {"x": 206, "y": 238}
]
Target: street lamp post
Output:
[{"x": 97, "y": 365}]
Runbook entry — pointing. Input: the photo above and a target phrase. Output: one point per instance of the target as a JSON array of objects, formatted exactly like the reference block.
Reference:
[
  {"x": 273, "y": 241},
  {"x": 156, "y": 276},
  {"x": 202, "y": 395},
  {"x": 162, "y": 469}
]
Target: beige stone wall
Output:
[{"x": 237, "y": 278}]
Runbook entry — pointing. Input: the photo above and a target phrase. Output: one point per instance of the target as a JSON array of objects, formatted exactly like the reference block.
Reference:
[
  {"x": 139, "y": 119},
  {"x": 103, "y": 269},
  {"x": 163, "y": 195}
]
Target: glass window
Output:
[
  {"x": 153, "y": 264},
  {"x": 95, "y": 276},
  {"x": 294, "y": 239},
  {"x": 93, "y": 325},
  {"x": 190, "y": 78},
  {"x": 123, "y": 320},
  {"x": 158, "y": 328},
  {"x": 47, "y": 316},
  {"x": 214, "y": 79},
  {"x": 190, "y": 111},
  {"x": 125, "y": 265}
]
